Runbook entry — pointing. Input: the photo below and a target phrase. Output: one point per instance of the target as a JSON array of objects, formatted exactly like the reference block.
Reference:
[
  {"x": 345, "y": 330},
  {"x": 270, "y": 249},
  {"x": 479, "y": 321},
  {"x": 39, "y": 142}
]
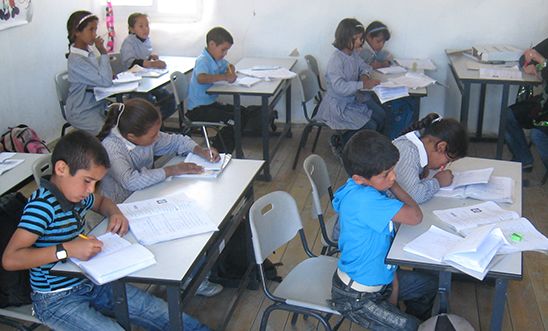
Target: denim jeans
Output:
[
  {"x": 515, "y": 139},
  {"x": 373, "y": 311},
  {"x": 82, "y": 308},
  {"x": 539, "y": 136},
  {"x": 376, "y": 122}
]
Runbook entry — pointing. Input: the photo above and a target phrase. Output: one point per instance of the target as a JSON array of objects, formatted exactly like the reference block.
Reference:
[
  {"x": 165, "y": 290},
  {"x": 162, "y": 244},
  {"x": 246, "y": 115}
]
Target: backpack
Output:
[
  {"x": 14, "y": 285},
  {"x": 23, "y": 139},
  {"x": 252, "y": 122},
  {"x": 400, "y": 114}
]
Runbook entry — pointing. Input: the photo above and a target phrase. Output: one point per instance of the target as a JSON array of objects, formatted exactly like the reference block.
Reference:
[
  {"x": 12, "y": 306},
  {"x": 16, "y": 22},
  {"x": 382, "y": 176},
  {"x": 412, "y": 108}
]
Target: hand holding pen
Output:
[
  {"x": 83, "y": 247},
  {"x": 210, "y": 154},
  {"x": 231, "y": 73}
]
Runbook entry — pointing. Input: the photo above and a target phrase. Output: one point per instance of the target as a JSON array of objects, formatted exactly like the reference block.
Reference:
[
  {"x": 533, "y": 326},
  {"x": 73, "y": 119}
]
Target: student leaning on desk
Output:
[
  {"x": 48, "y": 233},
  {"x": 365, "y": 289}
]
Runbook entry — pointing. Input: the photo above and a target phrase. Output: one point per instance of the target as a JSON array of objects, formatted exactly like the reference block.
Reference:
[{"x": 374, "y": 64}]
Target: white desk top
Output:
[
  {"x": 13, "y": 177},
  {"x": 507, "y": 266},
  {"x": 261, "y": 88},
  {"x": 183, "y": 64},
  {"x": 216, "y": 196},
  {"x": 460, "y": 64}
]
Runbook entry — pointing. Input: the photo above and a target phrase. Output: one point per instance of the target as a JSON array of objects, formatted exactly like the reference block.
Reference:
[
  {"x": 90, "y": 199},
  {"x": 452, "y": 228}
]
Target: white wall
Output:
[{"x": 419, "y": 29}]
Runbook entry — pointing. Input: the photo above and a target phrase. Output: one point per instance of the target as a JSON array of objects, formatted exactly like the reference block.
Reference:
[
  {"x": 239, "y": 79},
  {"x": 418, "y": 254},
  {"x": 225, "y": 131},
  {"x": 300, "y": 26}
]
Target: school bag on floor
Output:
[
  {"x": 14, "y": 285},
  {"x": 400, "y": 114},
  {"x": 23, "y": 139}
]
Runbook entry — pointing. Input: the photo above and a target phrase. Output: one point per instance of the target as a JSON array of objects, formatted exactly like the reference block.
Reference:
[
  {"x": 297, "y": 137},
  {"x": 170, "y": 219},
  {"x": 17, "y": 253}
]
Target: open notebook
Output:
[
  {"x": 498, "y": 189},
  {"x": 118, "y": 259},
  {"x": 211, "y": 169}
]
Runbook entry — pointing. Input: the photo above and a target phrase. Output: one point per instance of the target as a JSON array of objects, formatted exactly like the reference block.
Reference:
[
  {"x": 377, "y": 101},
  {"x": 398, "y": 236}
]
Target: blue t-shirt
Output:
[
  {"x": 205, "y": 64},
  {"x": 50, "y": 216},
  {"x": 365, "y": 216}
]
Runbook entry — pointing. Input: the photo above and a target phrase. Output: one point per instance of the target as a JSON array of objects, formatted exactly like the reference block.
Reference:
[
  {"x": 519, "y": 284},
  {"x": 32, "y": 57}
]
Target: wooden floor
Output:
[{"x": 527, "y": 302}]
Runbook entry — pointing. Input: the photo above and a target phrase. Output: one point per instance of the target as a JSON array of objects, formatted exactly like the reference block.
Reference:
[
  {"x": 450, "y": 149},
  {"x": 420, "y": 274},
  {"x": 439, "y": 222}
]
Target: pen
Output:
[
  {"x": 83, "y": 236},
  {"x": 207, "y": 143}
]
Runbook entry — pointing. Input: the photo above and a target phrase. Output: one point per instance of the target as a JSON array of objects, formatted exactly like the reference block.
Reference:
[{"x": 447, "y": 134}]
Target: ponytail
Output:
[{"x": 113, "y": 113}]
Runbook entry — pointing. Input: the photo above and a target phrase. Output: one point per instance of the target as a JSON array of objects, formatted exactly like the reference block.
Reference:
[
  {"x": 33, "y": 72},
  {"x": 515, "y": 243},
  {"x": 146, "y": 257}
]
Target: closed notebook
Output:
[{"x": 117, "y": 259}]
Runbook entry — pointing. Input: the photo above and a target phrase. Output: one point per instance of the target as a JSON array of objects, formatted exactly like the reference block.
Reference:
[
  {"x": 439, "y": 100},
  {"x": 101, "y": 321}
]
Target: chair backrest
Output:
[
  {"x": 116, "y": 63},
  {"x": 309, "y": 85},
  {"x": 312, "y": 64},
  {"x": 180, "y": 86},
  {"x": 274, "y": 220},
  {"x": 62, "y": 86},
  {"x": 316, "y": 171},
  {"x": 41, "y": 167}
]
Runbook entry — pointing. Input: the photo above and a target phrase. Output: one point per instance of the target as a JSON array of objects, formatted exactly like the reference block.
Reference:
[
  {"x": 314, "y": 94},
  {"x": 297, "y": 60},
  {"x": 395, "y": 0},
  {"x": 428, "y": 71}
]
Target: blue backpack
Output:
[{"x": 400, "y": 114}]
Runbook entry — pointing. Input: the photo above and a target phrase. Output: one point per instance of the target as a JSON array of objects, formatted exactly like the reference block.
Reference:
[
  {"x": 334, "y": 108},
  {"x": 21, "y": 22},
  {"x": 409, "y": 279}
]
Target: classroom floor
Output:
[{"x": 527, "y": 304}]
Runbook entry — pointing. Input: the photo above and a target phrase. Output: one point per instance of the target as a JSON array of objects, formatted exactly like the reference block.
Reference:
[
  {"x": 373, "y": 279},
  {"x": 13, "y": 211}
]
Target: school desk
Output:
[
  {"x": 19, "y": 176},
  {"x": 226, "y": 199},
  {"x": 507, "y": 267},
  {"x": 272, "y": 89},
  {"x": 464, "y": 77}
]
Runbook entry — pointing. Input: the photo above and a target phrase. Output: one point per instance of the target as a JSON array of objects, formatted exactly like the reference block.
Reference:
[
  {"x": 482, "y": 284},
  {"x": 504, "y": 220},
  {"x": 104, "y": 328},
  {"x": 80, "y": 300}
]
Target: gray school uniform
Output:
[
  {"x": 86, "y": 71},
  {"x": 133, "y": 49},
  {"x": 369, "y": 55},
  {"x": 343, "y": 106}
]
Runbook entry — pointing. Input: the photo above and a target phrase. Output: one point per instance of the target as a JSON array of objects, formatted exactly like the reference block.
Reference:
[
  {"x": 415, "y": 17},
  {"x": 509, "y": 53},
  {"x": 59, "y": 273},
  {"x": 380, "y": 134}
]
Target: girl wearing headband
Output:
[
  {"x": 86, "y": 71},
  {"x": 429, "y": 144},
  {"x": 373, "y": 53}
]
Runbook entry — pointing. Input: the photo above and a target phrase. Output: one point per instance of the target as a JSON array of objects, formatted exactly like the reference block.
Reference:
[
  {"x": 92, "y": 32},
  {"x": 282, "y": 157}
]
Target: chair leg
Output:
[
  {"x": 266, "y": 315},
  {"x": 316, "y": 139},
  {"x": 339, "y": 323},
  {"x": 302, "y": 143},
  {"x": 294, "y": 318}
]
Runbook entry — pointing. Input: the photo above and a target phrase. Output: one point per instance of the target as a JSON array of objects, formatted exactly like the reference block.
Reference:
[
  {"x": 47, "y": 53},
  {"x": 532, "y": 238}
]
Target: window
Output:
[{"x": 161, "y": 11}]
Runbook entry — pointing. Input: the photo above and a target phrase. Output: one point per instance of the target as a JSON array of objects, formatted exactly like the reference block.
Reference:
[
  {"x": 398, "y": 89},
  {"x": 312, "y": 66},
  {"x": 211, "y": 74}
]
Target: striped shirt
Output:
[{"x": 50, "y": 216}]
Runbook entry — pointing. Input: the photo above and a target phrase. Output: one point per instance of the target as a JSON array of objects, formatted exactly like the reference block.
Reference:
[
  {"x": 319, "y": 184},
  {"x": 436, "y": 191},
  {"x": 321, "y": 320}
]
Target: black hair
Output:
[
  {"x": 346, "y": 30},
  {"x": 368, "y": 153},
  {"x": 219, "y": 35},
  {"x": 78, "y": 149},
  {"x": 135, "y": 116},
  {"x": 446, "y": 129},
  {"x": 132, "y": 19},
  {"x": 75, "y": 24},
  {"x": 377, "y": 28}
]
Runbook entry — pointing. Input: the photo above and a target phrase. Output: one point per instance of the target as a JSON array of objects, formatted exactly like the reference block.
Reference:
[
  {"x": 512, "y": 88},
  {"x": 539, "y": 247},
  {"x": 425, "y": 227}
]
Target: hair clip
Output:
[
  {"x": 85, "y": 18},
  {"x": 437, "y": 119},
  {"x": 358, "y": 26},
  {"x": 121, "y": 108}
]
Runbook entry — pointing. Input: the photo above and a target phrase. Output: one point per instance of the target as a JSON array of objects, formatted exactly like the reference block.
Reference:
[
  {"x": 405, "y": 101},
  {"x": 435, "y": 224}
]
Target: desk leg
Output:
[
  {"x": 238, "y": 127},
  {"x": 120, "y": 304},
  {"x": 502, "y": 124},
  {"x": 465, "y": 103},
  {"x": 266, "y": 138},
  {"x": 444, "y": 289},
  {"x": 288, "y": 110},
  {"x": 174, "y": 307},
  {"x": 481, "y": 111},
  {"x": 501, "y": 286}
]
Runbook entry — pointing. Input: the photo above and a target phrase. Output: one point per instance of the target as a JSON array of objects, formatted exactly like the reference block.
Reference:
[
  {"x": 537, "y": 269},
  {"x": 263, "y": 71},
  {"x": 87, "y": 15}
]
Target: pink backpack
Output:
[{"x": 23, "y": 139}]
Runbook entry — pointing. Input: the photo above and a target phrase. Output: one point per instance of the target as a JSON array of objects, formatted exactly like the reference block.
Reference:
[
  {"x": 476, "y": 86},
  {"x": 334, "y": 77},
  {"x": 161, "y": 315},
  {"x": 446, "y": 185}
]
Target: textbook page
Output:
[
  {"x": 478, "y": 176},
  {"x": 163, "y": 219},
  {"x": 417, "y": 64},
  {"x": 395, "y": 69},
  {"x": 472, "y": 216},
  {"x": 8, "y": 164},
  {"x": 433, "y": 244},
  {"x": 498, "y": 189},
  {"x": 118, "y": 258},
  {"x": 386, "y": 94}
]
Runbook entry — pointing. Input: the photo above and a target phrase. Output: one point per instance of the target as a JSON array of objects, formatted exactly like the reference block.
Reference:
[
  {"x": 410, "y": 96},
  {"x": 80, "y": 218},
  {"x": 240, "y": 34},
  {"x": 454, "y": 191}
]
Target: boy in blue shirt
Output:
[
  {"x": 365, "y": 289},
  {"x": 49, "y": 231},
  {"x": 211, "y": 67}
]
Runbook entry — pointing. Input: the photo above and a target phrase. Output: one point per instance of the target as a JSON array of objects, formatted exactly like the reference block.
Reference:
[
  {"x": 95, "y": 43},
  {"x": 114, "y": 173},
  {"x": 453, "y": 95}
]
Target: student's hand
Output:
[
  {"x": 444, "y": 177},
  {"x": 530, "y": 69},
  {"x": 159, "y": 64},
  {"x": 153, "y": 57},
  {"x": 532, "y": 55},
  {"x": 230, "y": 74},
  {"x": 83, "y": 249},
  {"x": 99, "y": 44},
  {"x": 204, "y": 153},
  {"x": 183, "y": 168},
  {"x": 118, "y": 223},
  {"x": 369, "y": 83}
]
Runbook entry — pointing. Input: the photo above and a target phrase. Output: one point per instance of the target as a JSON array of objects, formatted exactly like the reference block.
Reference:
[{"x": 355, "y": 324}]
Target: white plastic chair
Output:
[
  {"x": 316, "y": 171},
  {"x": 41, "y": 167},
  {"x": 275, "y": 220},
  {"x": 180, "y": 91},
  {"x": 116, "y": 63},
  {"x": 312, "y": 64},
  {"x": 62, "y": 87}
]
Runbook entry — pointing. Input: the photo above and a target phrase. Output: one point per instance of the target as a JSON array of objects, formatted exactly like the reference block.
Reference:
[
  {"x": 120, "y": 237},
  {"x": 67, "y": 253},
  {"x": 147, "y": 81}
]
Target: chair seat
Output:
[
  {"x": 329, "y": 225},
  {"x": 309, "y": 284}
]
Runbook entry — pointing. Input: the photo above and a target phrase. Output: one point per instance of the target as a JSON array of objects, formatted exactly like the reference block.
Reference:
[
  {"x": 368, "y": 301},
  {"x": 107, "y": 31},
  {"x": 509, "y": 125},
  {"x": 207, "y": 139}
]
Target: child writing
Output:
[
  {"x": 365, "y": 289},
  {"x": 137, "y": 49},
  {"x": 85, "y": 71},
  {"x": 132, "y": 137},
  {"x": 211, "y": 67},
  {"x": 376, "y": 34},
  {"x": 431, "y": 144},
  {"x": 48, "y": 232},
  {"x": 344, "y": 106}
]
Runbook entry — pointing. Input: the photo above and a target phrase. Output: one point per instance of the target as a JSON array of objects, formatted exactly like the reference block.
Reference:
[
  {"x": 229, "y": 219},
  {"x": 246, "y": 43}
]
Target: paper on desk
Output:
[
  {"x": 8, "y": 164},
  {"x": 281, "y": 73},
  {"x": 411, "y": 80},
  {"x": 501, "y": 73},
  {"x": 386, "y": 94},
  {"x": 6, "y": 155},
  {"x": 498, "y": 189},
  {"x": 478, "y": 176},
  {"x": 392, "y": 70},
  {"x": 148, "y": 72},
  {"x": 245, "y": 81},
  {"x": 418, "y": 64},
  {"x": 125, "y": 77},
  {"x": 104, "y": 92}
]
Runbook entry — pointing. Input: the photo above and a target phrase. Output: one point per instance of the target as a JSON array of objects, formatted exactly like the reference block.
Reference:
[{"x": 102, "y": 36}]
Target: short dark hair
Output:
[
  {"x": 346, "y": 30},
  {"x": 377, "y": 28},
  {"x": 219, "y": 35},
  {"x": 78, "y": 149},
  {"x": 368, "y": 153},
  {"x": 135, "y": 116}
]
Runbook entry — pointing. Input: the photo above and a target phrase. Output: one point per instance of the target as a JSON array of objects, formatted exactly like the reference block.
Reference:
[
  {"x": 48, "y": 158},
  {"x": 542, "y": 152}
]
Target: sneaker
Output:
[
  {"x": 336, "y": 146},
  {"x": 209, "y": 289}
]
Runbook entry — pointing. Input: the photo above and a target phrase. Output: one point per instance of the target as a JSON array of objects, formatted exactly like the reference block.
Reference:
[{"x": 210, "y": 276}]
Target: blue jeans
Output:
[
  {"x": 515, "y": 139},
  {"x": 376, "y": 122},
  {"x": 373, "y": 311},
  {"x": 539, "y": 136},
  {"x": 82, "y": 308}
]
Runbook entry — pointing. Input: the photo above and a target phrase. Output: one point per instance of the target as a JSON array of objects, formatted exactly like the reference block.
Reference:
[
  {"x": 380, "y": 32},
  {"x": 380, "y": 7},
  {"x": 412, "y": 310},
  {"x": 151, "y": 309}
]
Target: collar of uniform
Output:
[
  {"x": 414, "y": 138},
  {"x": 79, "y": 51},
  {"x": 65, "y": 204},
  {"x": 206, "y": 53},
  {"x": 129, "y": 145}
]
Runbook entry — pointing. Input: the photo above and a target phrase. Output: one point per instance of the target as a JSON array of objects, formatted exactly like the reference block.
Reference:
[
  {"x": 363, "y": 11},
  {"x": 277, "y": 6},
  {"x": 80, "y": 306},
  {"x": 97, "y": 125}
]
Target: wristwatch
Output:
[
  {"x": 542, "y": 65},
  {"x": 61, "y": 253}
]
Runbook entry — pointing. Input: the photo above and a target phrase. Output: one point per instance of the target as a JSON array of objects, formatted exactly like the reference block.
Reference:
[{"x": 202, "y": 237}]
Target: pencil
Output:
[
  {"x": 83, "y": 236},
  {"x": 207, "y": 142}
]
